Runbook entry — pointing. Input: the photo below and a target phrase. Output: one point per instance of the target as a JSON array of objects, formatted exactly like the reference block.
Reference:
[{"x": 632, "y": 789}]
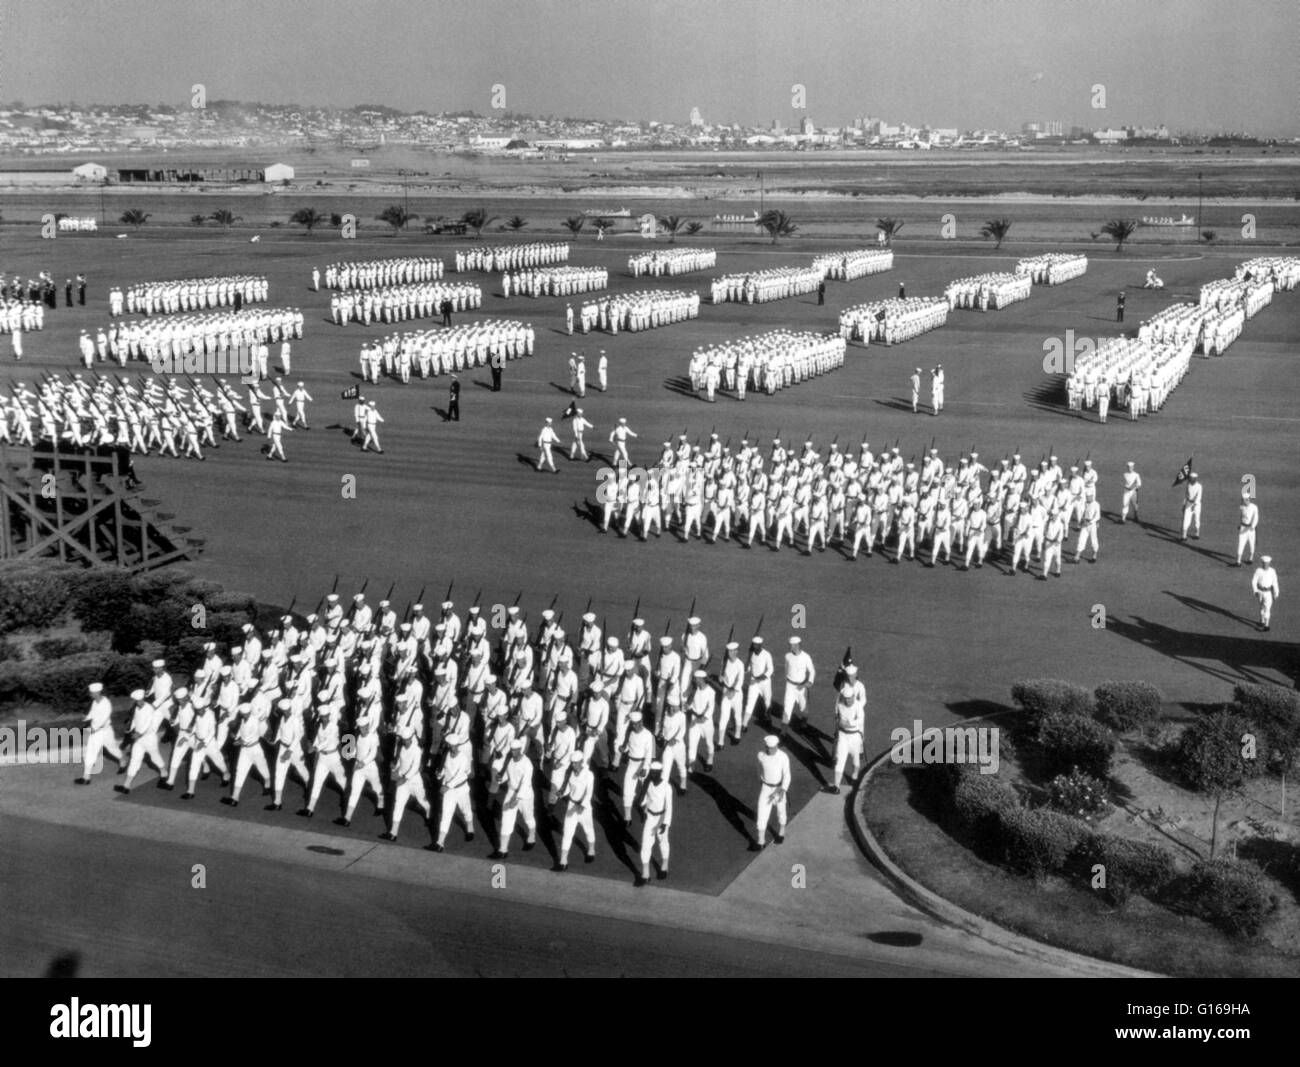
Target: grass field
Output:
[{"x": 461, "y": 501}]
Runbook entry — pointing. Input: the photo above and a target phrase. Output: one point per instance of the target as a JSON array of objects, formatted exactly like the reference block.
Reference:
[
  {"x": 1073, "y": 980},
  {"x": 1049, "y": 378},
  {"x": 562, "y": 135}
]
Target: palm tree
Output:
[
  {"x": 516, "y": 223},
  {"x": 890, "y": 228},
  {"x": 671, "y": 224},
  {"x": 602, "y": 226},
  {"x": 135, "y": 217},
  {"x": 396, "y": 216},
  {"x": 778, "y": 224},
  {"x": 476, "y": 219},
  {"x": 225, "y": 218},
  {"x": 692, "y": 228},
  {"x": 308, "y": 217},
  {"x": 1209, "y": 236},
  {"x": 1121, "y": 230},
  {"x": 997, "y": 229},
  {"x": 574, "y": 224},
  {"x": 198, "y": 220}
]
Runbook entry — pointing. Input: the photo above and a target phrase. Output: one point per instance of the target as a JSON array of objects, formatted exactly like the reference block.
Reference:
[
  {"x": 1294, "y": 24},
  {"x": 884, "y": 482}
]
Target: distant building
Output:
[
  {"x": 1110, "y": 136},
  {"x": 806, "y": 126},
  {"x": 90, "y": 172},
  {"x": 278, "y": 172},
  {"x": 696, "y": 118},
  {"x": 205, "y": 174}
]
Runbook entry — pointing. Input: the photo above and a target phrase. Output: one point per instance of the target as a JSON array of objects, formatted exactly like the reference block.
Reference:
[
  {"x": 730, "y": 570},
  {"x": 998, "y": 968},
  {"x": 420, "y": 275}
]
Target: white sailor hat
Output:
[
  {"x": 590, "y": 616},
  {"x": 757, "y": 639},
  {"x": 96, "y": 688},
  {"x": 439, "y": 670},
  {"x": 359, "y": 597},
  {"x": 771, "y": 741},
  {"x": 417, "y": 607},
  {"x": 182, "y": 693},
  {"x": 699, "y": 674},
  {"x": 635, "y": 717},
  {"x": 406, "y": 627},
  {"x": 237, "y": 650},
  {"x": 247, "y": 627},
  {"x": 597, "y": 686},
  {"x": 694, "y": 620},
  {"x": 158, "y": 664},
  {"x": 491, "y": 679},
  {"x": 447, "y": 605},
  {"x": 795, "y": 640},
  {"x": 1193, "y": 475},
  {"x": 383, "y": 603},
  {"x": 137, "y": 694},
  {"x": 623, "y": 421},
  {"x": 732, "y": 646},
  {"x": 473, "y": 609},
  {"x": 666, "y": 642},
  {"x": 576, "y": 758},
  {"x": 209, "y": 646},
  {"x": 549, "y": 420},
  {"x": 1266, "y": 559},
  {"x": 548, "y": 614},
  {"x": 332, "y": 598},
  {"x": 638, "y": 622},
  {"x": 851, "y": 669},
  {"x": 517, "y": 745},
  {"x": 512, "y": 610},
  {"x": 612, "y": 642}
]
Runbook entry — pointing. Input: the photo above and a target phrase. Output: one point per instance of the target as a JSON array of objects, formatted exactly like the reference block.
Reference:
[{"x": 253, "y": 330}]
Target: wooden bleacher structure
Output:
[{"x": 73, "y": 504}]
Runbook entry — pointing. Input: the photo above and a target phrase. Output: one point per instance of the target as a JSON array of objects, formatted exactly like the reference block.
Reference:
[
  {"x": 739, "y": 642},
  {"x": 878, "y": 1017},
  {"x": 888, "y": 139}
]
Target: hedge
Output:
[
  {"x": 1130, "y": 866},
  {"x": 1042, "y": 697},
  {"x": 1275, "y": 714},
  {"x": 1124, "y": 706},
  {"x": 979, "y": 802},
  {"x": 1036, "y": 841},
  {"x": 1231, "y": 894},
  {"x": 1070, "y": 741},
  {"x": 101, "y": 597},
  {"x": 58, "y": 647},
  {"x": 33, "y": 596}
]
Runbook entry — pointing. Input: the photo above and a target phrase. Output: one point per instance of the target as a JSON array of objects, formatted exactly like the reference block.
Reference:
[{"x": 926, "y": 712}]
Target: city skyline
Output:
[{"x": 997, "y": 64}]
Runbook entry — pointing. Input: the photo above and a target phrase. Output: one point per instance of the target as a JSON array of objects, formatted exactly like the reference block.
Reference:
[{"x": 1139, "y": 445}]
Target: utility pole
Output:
[{"x": 1199, "y": 200}]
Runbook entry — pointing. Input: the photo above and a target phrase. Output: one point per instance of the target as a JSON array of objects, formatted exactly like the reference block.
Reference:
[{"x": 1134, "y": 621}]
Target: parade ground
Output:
[{"x": 460, "y": 505}]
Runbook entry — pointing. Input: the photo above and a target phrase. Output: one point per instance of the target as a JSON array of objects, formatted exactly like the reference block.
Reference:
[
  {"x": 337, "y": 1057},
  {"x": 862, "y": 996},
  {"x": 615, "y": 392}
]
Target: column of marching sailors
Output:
[
  {"x": 633, "y": 312},
  {"x": 765, "y": 362},
  {"x": 671, "y": 261},
  {"x": 187, "y": 294},
  {"x": 402, "y": 302},
  {"x": 371, "y": 274},
  {"x": 860, "y": 502},
  {"x": 510, "y": 257},
  {"x": 217, "y": 335},
  {"x": 534, "y": 719},
  {"x": 445, "y": 351}
]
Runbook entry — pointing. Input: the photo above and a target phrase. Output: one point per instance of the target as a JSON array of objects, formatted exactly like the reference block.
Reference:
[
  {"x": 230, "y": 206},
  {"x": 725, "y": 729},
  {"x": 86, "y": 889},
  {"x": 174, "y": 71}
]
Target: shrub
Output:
[
  {"x": 1131, "y": 866},
  {"x": 101, "y": 597},
  {"x": 15, "y": 677},
  {"x": 1231, "y": 894},
  {"x": 58, "y": 647},
  {"x": 1275, "y": 713},
  {"x": 1038, "y": 842},
  {"x": 1125, "y": 706},
  {"x": 980, "y": 801},
  {"x": 9, "y": 650},
  {"x": 33, "y": 596},
  {"x": 126, "y": 673},
  {"x": 1042, "y": 697},
  {"x": 62, "y": 683},
  {"x": 1080, "y": 794},
  {"x": 232, "y": 602},
  {"x": 1208, "y": 755},
  {"x": 226, "y": 627},
  {"x": 1071, "y": 741}
]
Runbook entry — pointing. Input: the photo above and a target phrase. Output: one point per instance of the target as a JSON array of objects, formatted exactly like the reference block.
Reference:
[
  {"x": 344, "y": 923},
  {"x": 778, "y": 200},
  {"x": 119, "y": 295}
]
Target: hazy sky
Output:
[{"x": 1204, "y": 64}]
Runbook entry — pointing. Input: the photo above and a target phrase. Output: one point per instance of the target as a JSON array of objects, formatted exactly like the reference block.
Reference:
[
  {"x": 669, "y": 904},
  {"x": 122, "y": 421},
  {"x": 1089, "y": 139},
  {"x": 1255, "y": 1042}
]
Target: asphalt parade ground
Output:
[{"x": 460, "y": 503}]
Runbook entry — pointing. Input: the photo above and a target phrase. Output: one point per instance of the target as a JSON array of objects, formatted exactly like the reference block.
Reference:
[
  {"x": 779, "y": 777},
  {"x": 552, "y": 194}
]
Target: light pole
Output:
[{"x": 1199, "y": 200}]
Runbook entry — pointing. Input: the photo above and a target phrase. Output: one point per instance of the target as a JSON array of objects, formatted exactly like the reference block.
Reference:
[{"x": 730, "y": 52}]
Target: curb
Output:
[{"x": 947, "y": 912}]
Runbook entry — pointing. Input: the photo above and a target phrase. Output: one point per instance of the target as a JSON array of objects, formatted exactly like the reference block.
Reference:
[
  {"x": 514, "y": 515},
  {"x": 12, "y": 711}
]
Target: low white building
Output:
[
  {"x": 278, "y": 172},
  {"x": 90, "y": 172}
]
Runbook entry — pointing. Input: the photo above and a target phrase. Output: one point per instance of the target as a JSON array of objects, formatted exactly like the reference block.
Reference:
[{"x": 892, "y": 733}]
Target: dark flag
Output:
[
  {"x": 1185, "y": 473},
  {"x": 571, "y": 410},
  {"x": 350, "y": 393}
]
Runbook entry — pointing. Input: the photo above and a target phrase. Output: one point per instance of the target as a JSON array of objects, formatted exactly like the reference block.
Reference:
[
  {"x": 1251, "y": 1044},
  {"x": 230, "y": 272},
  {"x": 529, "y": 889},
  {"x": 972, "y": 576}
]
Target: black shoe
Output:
[
  {"x": 435, "y": 847},
  {"x": 230, "y": 802},
  {"x": 590, "y": 857},
  {"x": 708, "y": 766},
  {"x": 187, "y": 796},
  {"x": 386, "y": 836},
  {"x": 832, "y": 789},
  {"x": 166, "y": 785},
  {"x": 641, "y": 880},
  {"x": 306, "y": 813},
  {"x": 121, "y": 788},
  {"x": 469, "y": 835},
  {"x": 560, "y": 868},
  {"x": 529, "y": 846},
  {"x": 497, "y": 855},
  {"x": 754, "y": 846},
  {"x": 121, "y": 768},
  {"x": 779, "y": 838},
  {"x": 341, "y": 821},
  {"x": 274, "y": 807},
  {"x": 663, "y": 875},
  {"x": 267, "y": 791},
  {"x": 83, "y": 781}
]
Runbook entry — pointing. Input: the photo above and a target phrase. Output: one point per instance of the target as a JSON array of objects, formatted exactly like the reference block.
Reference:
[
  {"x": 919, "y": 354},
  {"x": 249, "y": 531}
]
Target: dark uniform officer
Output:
[{"x": 453, "y": 401}]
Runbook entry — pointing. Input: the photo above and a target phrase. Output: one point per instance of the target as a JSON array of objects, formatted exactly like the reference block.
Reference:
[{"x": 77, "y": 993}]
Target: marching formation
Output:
[
  {"x": 634, "y": 312},
  {"x": 221, "y": 334},
  {"x": 988, "y": 292},
  {"x": 847, "y": 266},
  {"x": 1282, "y": 271},
  {"x": 143, "y": 416},
  {"x": 1053, "y": 268},
  {"x": 894, "y": 320},
  {"x": 19, "y": 316},
  {"x": 868, "y": 501},
  {"x": 1210, "y": 331},
  {"x": 522, "y": 723},
  {"x": 554, "y": 281},
  {"x": 373, "y": 273},
  {"x": 1225, "y": 294},
  {"x": 402, "y": 302},
  {"x": 472, "y": 344},
  {"x": 188, "y": 294},
  {"x": 67, "y": 224},
  {"x": 766, "y": 362},
  {"x": 669, "y": 261},
  {"x": 1137, "y": 374},
  {"x": 761, "y": 286},
  {"x": 510, "y": 257}
]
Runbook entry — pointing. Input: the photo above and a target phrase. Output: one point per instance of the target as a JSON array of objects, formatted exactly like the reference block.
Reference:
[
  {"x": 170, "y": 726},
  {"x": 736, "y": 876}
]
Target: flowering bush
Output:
[{"x": 1079, "y": 793}]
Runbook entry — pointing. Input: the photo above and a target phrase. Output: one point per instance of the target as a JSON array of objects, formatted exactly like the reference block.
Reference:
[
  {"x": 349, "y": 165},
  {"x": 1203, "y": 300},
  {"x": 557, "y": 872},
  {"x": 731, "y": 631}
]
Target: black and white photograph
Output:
[{"x": 526, "y": 488}]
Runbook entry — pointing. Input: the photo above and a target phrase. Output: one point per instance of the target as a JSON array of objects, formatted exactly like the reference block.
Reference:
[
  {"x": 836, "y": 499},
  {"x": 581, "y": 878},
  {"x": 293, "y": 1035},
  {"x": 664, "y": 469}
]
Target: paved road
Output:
[{"x": 128, "y": 910}]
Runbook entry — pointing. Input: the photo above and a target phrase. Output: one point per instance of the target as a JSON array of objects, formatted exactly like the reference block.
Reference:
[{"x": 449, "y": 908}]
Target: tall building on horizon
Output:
[{"x": 696, "y": 118}]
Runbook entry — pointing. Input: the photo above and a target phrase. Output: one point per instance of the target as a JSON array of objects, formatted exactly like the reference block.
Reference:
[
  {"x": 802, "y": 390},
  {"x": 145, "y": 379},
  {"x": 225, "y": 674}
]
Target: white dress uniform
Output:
[
  {"x": 98, "y": 734},
  {"x": 850, "y": 716},
  {"x": 639, "y": 749},
  {"x": 1192, "y": 507},
  {"x": 774, "y": 784},
  {"x": 517, "y": 799},
  {"x": 1264, "y": 585},
  {"x": 206, "y": 749},
  {"x": 733, "y": 687},
  {"x": 657, "y": 804},
  {"x": 453, "y": 785},
  {"x": 1247, "y": 524},
  {"x": 578, "y": 795},
  {"x": 1132, "y": 483},
  {"x": 365, "y": 772},
  {"x": 251, "y": 754},
  {"x": 760, "y": 681},
  {"x": 673, "y": 736},
  {"x": 408, "y": 782},
  {"x": 145, "y": 720},
  {"x": 800, "y": 674},
  {"x": 328, "y": 763}
]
